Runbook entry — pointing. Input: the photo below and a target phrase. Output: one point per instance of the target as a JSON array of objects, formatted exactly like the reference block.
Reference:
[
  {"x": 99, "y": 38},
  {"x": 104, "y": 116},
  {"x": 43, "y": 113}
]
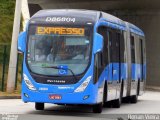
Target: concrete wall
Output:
[
  {"x": 149, "y": 22},
  {"x": 143, "y": 13}
]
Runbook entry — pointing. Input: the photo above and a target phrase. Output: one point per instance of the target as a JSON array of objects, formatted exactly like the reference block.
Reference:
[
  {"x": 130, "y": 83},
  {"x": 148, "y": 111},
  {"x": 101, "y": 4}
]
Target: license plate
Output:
[{"x": 55, "y": 97}]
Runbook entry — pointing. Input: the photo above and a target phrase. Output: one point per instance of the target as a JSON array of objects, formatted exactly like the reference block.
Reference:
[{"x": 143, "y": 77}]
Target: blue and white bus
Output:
[{"x": 81, "y": 57}]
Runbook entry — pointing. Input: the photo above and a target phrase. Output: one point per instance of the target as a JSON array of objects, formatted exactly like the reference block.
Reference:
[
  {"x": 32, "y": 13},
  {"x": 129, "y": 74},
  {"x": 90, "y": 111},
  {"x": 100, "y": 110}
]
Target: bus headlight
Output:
[
  {"x": 83, "y": 86},
  {"x": 28, "y": 82}
]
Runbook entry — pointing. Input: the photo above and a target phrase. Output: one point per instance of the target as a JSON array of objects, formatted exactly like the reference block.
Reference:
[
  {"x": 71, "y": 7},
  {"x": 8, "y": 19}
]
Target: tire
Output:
[
  {"x": 134, "y": 99},
  {"x": 97, "y": 108},
  {"x": 39, "y": 106},
  {"x": 126, "y": 100},
  {"x": 117, "y": 102},
  {"x": 108, "y": 104}
]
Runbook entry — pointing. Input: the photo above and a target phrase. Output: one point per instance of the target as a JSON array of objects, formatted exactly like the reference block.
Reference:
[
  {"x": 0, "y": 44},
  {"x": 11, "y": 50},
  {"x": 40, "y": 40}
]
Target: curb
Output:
[
  {"x": 10, "y": 97},
  {"x": 155, "y": 89}
]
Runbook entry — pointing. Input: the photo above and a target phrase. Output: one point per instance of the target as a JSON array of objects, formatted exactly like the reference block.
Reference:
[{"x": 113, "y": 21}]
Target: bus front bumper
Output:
[{"x": 85, "y": 97}]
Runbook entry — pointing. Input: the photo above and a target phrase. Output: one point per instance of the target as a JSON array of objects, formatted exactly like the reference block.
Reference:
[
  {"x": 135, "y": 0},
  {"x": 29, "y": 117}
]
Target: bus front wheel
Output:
[
  {"x": 39, "y": 106},
  {"x": 97, "y": 108}
]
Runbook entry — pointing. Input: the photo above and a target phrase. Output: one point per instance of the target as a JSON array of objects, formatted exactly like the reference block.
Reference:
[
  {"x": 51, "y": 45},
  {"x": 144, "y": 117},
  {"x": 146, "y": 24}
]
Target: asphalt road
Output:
[{"x": 149, "y": 103}]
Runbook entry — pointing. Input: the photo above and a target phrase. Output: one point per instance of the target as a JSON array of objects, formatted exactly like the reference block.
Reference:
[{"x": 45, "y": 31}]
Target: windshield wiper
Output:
[{"x": 58, "y": 67}]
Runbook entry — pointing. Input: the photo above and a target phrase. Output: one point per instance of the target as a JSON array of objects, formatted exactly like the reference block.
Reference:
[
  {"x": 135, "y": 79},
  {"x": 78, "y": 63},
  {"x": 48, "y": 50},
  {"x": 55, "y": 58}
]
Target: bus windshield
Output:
[{"x": 57, "y": 46}]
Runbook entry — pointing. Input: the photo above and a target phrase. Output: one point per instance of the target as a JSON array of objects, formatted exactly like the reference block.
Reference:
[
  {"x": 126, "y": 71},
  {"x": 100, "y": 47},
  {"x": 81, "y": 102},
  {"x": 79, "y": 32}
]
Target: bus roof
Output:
[
  {"x": 50, "y": 12},
  {"x": 113, "y": 19},
  {"x": 135, "y": 29},
  {"x": 90, "y": 14}
]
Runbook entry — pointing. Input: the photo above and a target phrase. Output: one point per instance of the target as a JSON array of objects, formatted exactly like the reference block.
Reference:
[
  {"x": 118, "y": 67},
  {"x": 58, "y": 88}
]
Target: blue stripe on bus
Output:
[
  {"x": 108, "y": 73},
  {"x": 137, "y": 71}
]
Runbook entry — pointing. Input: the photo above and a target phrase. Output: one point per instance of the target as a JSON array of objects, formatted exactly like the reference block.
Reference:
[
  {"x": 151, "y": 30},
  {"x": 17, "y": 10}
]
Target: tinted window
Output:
[
  {"x": 114, "y": 38},
  {"x": 132, "y": 49},
  {"x": 103, "y": 32},
  {"x": 122, "y": 48},
  {"x": 56, "y": 46}
]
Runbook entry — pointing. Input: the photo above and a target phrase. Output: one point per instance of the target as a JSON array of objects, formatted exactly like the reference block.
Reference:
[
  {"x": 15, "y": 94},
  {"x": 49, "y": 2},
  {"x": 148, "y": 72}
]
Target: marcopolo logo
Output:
[
  {"x": 60, "y": 19},
  {"x": 56, "y": 81}
]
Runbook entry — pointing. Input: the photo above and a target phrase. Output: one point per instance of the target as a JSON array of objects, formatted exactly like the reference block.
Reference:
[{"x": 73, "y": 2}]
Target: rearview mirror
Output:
[
  {"x": 98, "y": 43},
  {"x": 21, "y": 42}
]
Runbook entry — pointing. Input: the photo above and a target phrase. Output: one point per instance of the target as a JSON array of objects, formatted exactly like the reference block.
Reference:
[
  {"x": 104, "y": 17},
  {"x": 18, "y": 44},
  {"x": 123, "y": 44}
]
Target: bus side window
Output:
[
  {"x": 141, "y": 58},
  {"x": 118, "y": 38},
  {"x": 132, "y": 49},
  {"x": 137, "y": 49},
  {"x": 122, "y": 49},
  {"x": 144, "y": 57},
  {"x": 101, "y": 58},
  {"x": 98, "y": 66},
  {"x": 110, "y": 37},
  {"x": 103, "y": 32},
  {"x": 105, "y": 48},
  {"x": 114, "y": 38}
]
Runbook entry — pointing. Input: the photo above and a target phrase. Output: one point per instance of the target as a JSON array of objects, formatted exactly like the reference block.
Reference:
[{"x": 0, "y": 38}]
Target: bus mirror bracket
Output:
[
  {"x": 21, "y": 42},
  {"x": 98, "y": 43}
]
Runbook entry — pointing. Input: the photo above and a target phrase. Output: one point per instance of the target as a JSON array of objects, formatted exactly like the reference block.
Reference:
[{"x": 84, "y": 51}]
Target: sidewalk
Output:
[
  {"x": 153, "y": 88},
  {"x": 5, "y": 95},
  {"x": 10, "y": 97}
]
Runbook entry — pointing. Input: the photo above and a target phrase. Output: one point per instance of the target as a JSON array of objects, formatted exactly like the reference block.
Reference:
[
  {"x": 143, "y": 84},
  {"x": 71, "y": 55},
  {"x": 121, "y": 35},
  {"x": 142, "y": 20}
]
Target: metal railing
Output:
[{"x": 4, "y": 64}]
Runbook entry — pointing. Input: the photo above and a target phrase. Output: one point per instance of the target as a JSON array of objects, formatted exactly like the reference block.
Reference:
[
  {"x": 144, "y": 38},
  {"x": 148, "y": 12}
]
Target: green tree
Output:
[{"x": 6, "y": 20}]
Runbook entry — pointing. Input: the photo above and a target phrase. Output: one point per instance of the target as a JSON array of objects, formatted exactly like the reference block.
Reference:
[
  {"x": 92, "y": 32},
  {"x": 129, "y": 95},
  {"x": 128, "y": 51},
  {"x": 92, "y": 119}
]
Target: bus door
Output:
[
  {"x": 142, "y": 58},
  {"x": 117, "y": 66},
  {"x": 114, "y": 63},
  {"x": 105, "y": 59},
  {"x": 133, "y": 84}
]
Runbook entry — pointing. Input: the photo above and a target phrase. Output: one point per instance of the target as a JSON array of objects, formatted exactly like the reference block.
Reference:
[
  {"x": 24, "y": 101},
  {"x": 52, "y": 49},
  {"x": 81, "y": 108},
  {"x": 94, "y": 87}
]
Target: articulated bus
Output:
[{"x": 81, "y": 57}]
